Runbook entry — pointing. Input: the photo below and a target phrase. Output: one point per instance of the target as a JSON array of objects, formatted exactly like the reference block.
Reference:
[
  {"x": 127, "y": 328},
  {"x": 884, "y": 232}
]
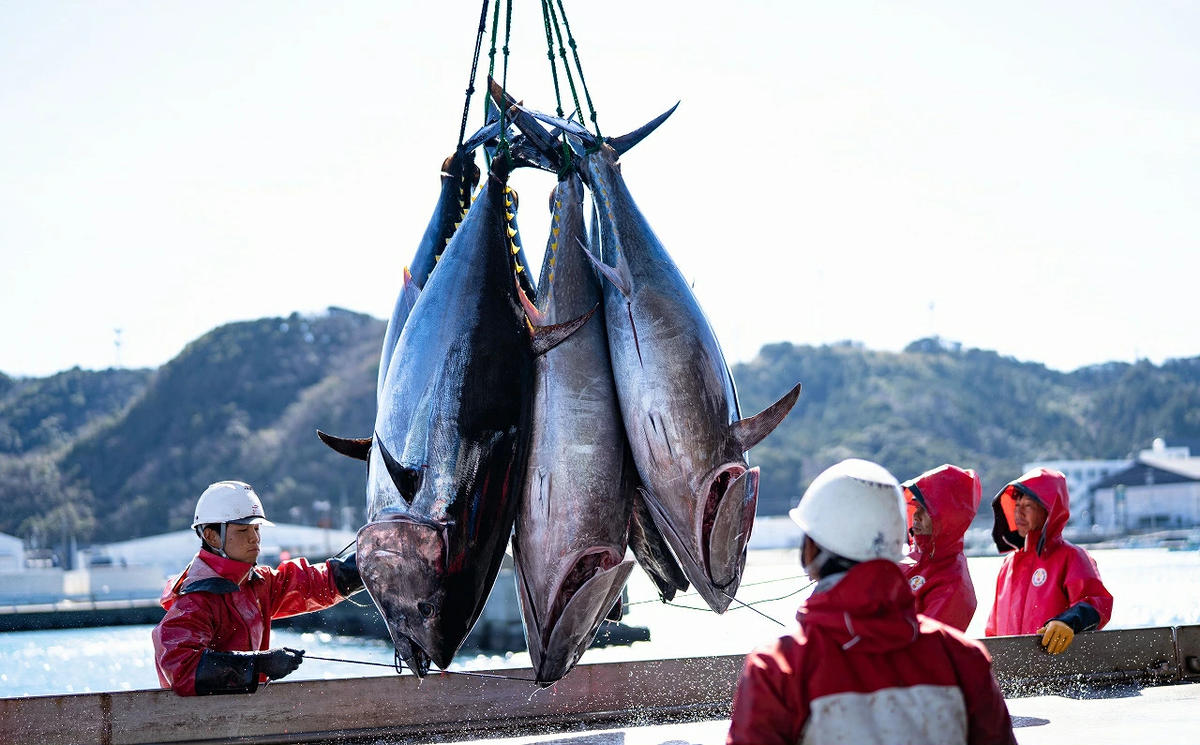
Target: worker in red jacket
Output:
[
  {"x": 216, "y": 635},
  {"x": 941, "y": 505},
  {"x": 863, "y": 667},
  {"x": 1047, "y": 585}
]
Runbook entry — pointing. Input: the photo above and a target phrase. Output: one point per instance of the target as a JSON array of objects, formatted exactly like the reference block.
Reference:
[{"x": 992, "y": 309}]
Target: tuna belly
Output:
[{"x": 580, "y": 601}]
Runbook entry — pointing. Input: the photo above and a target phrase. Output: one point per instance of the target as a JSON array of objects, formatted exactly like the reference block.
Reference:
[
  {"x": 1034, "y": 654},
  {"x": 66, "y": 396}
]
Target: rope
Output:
[
  {"x": 462, "y": 130},
  {"x": 550, "y": 55},
  {"x": 579, "y": 67},
  {"x": 562, "y": 52},
  {"x": 396, "y": 666}
]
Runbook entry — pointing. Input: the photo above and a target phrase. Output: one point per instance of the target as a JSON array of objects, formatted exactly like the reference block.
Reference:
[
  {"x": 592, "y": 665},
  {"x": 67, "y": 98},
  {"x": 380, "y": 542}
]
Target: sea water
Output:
[{"x": 1152, "y": 587}]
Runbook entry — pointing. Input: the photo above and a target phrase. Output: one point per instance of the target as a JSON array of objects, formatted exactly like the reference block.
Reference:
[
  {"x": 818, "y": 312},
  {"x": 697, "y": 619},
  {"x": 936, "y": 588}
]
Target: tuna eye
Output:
[{"x": 425, "y": 608}]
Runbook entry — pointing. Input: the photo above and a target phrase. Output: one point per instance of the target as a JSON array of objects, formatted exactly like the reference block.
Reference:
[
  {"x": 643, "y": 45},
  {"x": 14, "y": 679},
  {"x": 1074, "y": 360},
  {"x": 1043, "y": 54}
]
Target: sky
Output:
[{"x": 1020, "y": 176}]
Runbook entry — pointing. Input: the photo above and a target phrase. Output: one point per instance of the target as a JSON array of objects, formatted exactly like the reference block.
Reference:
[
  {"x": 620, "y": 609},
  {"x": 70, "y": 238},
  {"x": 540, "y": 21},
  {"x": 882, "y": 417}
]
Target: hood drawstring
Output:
[{"x": 855, "y": 638}]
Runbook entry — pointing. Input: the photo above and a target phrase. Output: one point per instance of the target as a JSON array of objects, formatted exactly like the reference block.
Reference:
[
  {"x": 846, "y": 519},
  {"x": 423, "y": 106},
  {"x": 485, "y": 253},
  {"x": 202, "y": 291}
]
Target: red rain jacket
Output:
[
  {"x": 224, "y": 605},
  {"x": 940, "y": 580},
  {"x": 1046, "y": 577},
  {"x": 864, "y": 668}
]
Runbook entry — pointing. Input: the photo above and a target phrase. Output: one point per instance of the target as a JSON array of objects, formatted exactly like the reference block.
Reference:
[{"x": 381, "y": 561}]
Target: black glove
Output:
[
  {"x": 278, "y": 663},
  {"x": 345, "y": 574}
]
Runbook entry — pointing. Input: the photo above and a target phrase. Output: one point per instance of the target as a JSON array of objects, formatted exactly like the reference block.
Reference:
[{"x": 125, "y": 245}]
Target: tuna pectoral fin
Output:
[
  {"x": 653, "y": 553},
  {"x": 618, "y": 275},
  {"x": 731, "y": 532},
  {"x": 357, "y": 447},
  {"x": 546, "y": 338},
  {"x": 625, "y": 142},
  {"x": 750, "y": 432},
  {"x": 581, "y": 617}
]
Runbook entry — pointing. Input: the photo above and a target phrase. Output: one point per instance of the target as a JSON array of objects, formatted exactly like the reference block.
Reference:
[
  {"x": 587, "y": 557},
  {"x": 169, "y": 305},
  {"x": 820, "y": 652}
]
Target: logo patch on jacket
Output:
[
  {"x": 916, "y": 582},
  {"x": 1039, "y": 577}
]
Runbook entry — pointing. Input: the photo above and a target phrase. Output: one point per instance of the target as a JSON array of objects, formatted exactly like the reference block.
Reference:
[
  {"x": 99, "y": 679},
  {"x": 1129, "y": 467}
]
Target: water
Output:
[{"x": 1152, "y": 587}]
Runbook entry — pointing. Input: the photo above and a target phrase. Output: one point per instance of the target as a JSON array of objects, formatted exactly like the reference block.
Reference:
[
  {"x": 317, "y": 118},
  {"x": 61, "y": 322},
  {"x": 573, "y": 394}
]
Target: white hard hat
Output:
[
  {"x": 229, "y": 502},
  {"x": 854, "y": 509}
]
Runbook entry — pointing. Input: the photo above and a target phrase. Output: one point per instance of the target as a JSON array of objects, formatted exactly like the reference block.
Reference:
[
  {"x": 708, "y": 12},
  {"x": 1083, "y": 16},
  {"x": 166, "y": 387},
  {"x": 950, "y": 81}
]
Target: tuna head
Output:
[{"x": 409, "y": 588}]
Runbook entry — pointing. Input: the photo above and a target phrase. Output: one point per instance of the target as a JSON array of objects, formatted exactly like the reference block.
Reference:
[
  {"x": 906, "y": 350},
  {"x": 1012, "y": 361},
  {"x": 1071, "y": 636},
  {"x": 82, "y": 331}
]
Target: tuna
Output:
[
  {"x": 677, "y": 396},
  {"x": 570, "y": 538},
  {"x": 446, "y": 462}
]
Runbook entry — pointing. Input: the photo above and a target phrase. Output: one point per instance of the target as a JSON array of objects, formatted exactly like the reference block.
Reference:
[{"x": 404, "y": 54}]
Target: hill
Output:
[
  {"x": 938, "y": 403},
  {"x": 124, "y": 453}
]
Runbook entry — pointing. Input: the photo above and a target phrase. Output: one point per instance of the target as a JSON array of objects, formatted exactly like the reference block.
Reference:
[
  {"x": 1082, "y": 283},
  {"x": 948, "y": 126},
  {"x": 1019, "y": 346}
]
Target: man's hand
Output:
[
  {"x": 1056, "y": 636},
  {"x": 278, "y": 663}
]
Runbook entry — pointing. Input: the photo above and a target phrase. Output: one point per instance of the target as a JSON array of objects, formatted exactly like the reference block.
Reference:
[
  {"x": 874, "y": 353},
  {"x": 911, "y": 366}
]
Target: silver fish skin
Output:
[
  {"x": 571, "y": 532},
  {"x": 447, "y": 459},
  {"x": 677, "y": 396}
]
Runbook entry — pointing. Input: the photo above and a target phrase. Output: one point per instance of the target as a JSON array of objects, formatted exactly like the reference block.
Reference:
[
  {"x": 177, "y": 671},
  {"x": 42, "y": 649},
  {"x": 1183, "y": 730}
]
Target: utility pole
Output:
[{"x": 117, "y": 344}]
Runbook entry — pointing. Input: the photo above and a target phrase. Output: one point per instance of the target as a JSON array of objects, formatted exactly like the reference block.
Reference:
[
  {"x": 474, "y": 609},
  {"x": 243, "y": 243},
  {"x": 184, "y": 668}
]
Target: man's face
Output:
[
  {"x": 921, "y": 524},
  {"x": 241, "y": 542},
  {"x": 1029, "y": 515}
]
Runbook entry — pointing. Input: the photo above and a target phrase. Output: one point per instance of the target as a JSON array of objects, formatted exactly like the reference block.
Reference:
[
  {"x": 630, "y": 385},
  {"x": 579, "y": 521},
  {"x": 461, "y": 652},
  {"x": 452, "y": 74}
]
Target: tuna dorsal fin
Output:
[
  {"x": 618, "y": 275},
  {"x": 749, "y": 432},
  {"x": 624, "y": 143},
  {"x": 546, "y": 338},
  {"x": 358, "y": 448}
]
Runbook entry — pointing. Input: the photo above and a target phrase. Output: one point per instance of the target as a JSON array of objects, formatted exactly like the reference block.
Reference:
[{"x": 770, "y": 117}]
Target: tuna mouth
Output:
[
  {"x": 581, "y": 601},
  {"x": 415, "y": 658},
  {"x": 724, "y": 530}
]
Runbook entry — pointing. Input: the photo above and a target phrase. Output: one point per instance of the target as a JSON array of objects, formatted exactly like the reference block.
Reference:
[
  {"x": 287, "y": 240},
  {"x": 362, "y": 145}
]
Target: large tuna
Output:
[
  {"x": 570, "y": 537},
  {"x": 459, "y": 176},
  {"x": 677, "y": 397},
  {"x": 447, "y": 460}
]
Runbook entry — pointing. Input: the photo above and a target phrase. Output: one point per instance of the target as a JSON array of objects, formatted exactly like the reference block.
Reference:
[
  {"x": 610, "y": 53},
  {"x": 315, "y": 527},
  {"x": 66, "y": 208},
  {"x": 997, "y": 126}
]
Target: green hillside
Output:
[{"x": 123, "y": 453}]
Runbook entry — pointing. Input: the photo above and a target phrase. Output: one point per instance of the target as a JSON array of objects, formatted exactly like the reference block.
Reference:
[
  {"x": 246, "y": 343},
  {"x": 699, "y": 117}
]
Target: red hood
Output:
[
  {"x": 204, "y": 566},
  {"x": 951, "y": 497},
  {"x": 871, "y": 609},
  {"x": 1046, "y": 486}
]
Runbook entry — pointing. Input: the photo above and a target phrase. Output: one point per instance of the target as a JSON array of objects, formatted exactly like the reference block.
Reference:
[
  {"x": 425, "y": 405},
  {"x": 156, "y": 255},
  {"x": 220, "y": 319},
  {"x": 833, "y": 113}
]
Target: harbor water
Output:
[{"x": 1152, "y": 587}]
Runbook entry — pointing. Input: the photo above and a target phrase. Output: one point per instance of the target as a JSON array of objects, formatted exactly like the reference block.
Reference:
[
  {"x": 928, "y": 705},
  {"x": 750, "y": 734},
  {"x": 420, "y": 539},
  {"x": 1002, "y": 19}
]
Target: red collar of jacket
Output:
[
  {"x": 208, "y": 568},
  {"x": 870, "y": 609}
]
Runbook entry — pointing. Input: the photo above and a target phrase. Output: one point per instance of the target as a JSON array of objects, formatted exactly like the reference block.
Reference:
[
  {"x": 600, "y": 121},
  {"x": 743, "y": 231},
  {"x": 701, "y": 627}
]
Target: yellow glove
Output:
[{"x": 1056, "y": 636}]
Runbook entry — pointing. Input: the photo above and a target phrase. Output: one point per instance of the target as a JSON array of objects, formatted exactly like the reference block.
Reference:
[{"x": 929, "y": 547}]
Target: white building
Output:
[
  {"x": 12, "y": 553},
  {"x": 1151, "y": 493},
  {"x": 1084, "y": 475}
]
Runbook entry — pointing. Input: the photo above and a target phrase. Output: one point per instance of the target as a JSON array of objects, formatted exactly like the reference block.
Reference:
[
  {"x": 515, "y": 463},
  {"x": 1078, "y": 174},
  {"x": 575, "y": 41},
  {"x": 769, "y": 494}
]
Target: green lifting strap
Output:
[
  {"x": 462, "y": 130},
  {"x": 578, "y": 66}
]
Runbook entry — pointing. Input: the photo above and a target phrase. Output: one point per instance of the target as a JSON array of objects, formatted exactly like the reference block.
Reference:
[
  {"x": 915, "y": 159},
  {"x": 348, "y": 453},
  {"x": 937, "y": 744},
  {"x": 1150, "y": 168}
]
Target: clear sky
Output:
[{"x": 1020, "y": 176}]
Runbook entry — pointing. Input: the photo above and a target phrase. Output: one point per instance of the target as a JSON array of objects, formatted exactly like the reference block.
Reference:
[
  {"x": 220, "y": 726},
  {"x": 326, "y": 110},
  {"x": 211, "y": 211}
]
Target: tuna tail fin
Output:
[
  {"x": 358, "y": 448},
  {"x": 624, "y": 143},
  {"x": 546, "y": 338},
  {"x": 751, "y": 431},
  {"x": 618, "y": 275}
]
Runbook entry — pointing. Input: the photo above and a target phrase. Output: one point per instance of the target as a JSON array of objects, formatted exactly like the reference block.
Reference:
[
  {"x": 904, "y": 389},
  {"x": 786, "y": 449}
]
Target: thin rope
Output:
[
  {"x": 550, "y": 56},
  {"x": 562, "y": 52},
  {"x": 504, "y": 77},
  {"x": 462, "y": 130},
  {"x": 399, "y": 667},
  {"x": 579, "y": 67}
]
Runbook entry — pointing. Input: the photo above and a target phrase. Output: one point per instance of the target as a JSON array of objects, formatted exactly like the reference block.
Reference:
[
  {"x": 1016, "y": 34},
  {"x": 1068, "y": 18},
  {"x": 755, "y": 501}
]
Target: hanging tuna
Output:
[
  {"x": 677, "y": 397},
  {"x": 446, "y": 463},
  {"x": 570, "y": 538}
]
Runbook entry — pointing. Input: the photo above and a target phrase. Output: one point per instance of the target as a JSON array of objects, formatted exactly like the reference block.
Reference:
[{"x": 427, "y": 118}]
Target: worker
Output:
[
  {"x": 1047, "y": 585},
  {"x": 863, "y": 667},
  {"x": 216, "y": 635},
  {"x": 941, "y": 505}
]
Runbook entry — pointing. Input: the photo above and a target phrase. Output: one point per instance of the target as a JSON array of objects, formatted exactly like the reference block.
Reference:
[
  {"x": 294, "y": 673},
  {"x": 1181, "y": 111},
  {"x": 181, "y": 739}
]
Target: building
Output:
[
  {"x": 1153, "y": 492},
  {"x": 1084, "y": 476},
  {"x": 12, "y": 553}
]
